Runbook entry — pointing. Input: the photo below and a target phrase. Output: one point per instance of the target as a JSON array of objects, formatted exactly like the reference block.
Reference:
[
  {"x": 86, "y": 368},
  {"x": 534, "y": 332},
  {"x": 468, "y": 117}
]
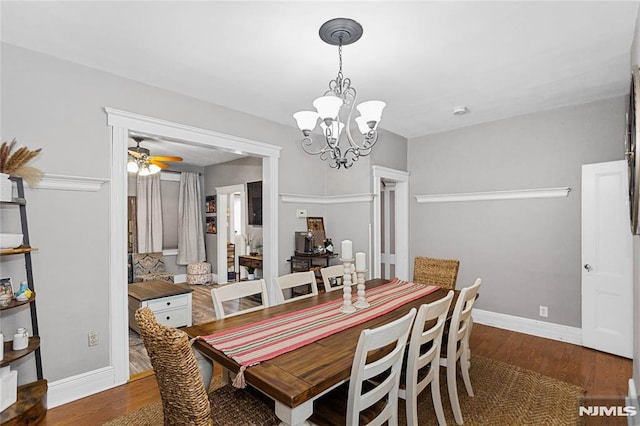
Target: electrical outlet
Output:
[
  {"x": 544, "y": 311},
  {"x": 301, "y": 213},
  {"x": 93, "y": 338}
]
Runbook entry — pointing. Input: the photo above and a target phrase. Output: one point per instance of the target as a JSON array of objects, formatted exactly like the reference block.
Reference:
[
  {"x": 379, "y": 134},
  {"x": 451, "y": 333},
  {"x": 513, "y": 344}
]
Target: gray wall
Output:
[
  {"x": 58, "y": 106},
  {"x": 527, "y": 252}
]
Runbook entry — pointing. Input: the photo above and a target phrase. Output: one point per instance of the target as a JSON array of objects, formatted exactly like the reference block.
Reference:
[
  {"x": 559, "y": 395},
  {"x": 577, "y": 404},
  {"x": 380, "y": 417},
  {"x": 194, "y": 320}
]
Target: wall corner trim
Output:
[
  {"x": 326, "y": 199},
  {"x": 517, "y": 194},
  {"x": 71, "y": 183},
  {"x": 548, "y": 330}
]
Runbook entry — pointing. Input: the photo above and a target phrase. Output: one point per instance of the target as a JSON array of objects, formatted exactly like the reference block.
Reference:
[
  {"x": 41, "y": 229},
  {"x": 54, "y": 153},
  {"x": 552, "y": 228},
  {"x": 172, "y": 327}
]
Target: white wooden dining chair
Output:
[
  {"x": 369, "y": 402},
  {"x": 288, "y": 285},
  {"x": 458, "y": 346},
  {"x": 332, "y": 277},
  {"x": 237, "y": 291},
  {"x": 423, "y": 361}
]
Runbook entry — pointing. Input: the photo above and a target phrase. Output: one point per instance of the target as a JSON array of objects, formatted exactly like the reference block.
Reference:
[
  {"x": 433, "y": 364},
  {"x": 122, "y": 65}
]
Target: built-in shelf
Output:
[
  {"x": 15, "y": 303},
  {"x": 18, "y": 250},
  {"x": 10, "y": 355}
]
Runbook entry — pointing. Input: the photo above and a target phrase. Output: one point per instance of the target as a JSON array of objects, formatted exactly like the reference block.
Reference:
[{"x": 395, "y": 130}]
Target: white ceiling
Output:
[{"x": 265, "y": 58}]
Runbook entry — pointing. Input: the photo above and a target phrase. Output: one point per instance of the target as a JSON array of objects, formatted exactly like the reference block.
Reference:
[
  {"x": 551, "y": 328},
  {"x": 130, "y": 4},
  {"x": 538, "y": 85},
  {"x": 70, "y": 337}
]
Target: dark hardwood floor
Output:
[{"x": 599, "y": 373}]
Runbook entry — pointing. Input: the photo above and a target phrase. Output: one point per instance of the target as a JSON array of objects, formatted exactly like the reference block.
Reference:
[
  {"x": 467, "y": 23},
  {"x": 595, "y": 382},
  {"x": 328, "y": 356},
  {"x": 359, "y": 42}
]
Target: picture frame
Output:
[
  {"x": 210, "y": 204},
  {"x": 632, "y": 151},
  {"x": 212, "y": 226},
  {"x": 315, "y": 224}
]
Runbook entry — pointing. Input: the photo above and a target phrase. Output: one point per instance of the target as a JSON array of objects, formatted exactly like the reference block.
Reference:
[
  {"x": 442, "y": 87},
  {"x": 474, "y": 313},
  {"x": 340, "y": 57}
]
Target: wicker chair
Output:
[
  {"x": 184, "y": 398},
  {"x": 441, "y": 272}
]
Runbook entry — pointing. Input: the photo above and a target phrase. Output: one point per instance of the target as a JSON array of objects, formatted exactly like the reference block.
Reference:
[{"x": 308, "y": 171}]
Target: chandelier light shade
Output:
[{"x": 335, "y": 109}]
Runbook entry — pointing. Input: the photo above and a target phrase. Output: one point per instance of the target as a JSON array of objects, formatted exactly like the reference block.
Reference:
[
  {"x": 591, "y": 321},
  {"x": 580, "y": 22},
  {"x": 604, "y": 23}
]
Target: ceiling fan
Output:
[{"x": 143, "y": 163}]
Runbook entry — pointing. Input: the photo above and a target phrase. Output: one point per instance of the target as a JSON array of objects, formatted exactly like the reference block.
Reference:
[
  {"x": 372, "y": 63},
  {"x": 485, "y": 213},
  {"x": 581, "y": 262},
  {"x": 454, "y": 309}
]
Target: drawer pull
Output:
[
  {"x": 168, "y": 318},
  {"x": 168, "y": 303}
]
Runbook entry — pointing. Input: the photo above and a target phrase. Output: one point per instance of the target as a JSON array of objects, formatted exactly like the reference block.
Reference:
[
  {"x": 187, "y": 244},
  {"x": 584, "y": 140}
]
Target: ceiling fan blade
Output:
[
  {"x": 159, "y": 164},
  {"x": 134, "y": 154},
  {"x": 164, "y": 158}
]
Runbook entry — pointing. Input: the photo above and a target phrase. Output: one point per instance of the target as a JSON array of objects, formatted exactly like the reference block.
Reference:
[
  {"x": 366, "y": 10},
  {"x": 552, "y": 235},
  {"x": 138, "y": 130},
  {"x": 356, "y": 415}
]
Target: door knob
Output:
[{"x": 587, "y": 267}]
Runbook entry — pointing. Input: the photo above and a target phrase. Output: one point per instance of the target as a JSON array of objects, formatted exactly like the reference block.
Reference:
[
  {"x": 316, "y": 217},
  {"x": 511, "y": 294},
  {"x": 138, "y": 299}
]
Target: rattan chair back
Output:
[
  {"x": 184, "y": 398},
  {"x": 432, "y": 271}
]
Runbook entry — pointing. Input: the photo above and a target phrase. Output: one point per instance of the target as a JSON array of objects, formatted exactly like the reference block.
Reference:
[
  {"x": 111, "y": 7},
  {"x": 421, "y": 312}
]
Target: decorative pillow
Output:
[{"x": 147, "y": 263}]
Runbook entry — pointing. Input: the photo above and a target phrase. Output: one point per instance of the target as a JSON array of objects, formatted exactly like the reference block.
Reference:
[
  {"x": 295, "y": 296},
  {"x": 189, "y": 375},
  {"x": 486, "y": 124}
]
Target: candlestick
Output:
[
  {"x": 362, "y": 301},
  {"x": 347, "y": 307},
  {"x": 347, "y": 250},
  {"x": 361, "y": 262}
]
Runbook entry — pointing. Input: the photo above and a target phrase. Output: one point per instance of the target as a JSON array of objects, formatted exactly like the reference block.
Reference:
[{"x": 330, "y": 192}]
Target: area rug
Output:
[{"x": 504, "y": 395}]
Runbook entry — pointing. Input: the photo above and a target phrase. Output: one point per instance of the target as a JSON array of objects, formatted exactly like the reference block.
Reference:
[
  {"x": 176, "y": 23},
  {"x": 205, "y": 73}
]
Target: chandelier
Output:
[{"x": 336, "y": 107}]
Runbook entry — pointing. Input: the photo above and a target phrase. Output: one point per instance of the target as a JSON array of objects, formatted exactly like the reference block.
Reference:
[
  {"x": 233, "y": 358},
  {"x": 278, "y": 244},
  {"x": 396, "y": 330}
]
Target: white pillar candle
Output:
[
  {"x": 361, "y": 261},
  {"x": 347, "y": 249}
]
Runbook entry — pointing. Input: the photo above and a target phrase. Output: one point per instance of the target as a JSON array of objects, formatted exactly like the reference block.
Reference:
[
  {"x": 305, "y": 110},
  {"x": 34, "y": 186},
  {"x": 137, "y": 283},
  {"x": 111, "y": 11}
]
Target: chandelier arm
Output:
[{"x": 307, "y": 141}]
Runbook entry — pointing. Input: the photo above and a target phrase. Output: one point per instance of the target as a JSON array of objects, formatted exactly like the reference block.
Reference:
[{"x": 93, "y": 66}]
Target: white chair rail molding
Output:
[{"x": 515, "y": 194}]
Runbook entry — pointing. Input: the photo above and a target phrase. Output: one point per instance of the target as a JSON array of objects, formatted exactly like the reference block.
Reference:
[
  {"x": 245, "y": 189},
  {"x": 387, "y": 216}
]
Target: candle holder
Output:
[
  {"x": 362, "y": 301},
  {"x": 347, "y": 307}
]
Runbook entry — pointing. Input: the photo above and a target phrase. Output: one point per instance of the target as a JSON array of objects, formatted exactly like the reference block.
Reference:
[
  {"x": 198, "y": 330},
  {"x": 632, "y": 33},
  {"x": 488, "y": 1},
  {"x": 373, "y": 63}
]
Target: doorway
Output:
[
  {"x": 232, "y": 217},
  {"x": 390, "y": 223},
  {"x": 123, "y": 122}
]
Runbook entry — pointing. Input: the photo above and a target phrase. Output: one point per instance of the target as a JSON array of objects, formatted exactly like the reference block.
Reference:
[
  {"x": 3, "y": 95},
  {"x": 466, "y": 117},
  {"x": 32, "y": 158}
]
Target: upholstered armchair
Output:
[{"x": 150, "y": 267}]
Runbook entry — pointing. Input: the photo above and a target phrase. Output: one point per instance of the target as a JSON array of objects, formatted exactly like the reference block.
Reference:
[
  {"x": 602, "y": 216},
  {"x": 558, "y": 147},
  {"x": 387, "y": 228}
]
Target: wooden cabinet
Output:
[
  {"x": 171, "y": 303},
  {"x": 311, "y": 262},
  {"x": 248, "y": 261},
  {"x": 30, "y": 407}
]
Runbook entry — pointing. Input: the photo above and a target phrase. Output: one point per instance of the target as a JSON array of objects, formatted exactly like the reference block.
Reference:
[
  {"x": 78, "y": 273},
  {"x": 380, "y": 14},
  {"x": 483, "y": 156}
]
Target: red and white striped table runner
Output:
[{"x": 251, "y": 344}]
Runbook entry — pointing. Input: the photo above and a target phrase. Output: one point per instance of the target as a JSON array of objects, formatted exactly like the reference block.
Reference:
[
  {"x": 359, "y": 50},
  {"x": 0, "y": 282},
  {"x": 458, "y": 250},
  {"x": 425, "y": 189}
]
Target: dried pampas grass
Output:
[{"x": 15, "y": 164}]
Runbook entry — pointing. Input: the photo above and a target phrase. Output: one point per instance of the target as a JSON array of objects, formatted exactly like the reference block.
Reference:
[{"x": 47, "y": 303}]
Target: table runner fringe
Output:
[{"x": 238, "y": 381}]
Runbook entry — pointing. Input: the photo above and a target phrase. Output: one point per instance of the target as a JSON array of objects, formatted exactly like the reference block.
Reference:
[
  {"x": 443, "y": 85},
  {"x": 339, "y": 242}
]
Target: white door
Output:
[{"x": 607, "y": 269}]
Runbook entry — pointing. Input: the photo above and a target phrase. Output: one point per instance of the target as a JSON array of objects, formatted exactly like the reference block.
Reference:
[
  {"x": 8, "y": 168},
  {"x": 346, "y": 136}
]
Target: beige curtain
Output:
[
  {"x": 149, "y": 214},
  {"x": 190, "y": 220}
]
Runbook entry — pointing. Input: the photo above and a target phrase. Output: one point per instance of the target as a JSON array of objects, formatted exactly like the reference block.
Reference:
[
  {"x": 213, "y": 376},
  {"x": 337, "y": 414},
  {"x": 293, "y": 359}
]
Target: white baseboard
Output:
[
  {"x": 548, "y": 330},
  {"x": 76, "y": 387}
]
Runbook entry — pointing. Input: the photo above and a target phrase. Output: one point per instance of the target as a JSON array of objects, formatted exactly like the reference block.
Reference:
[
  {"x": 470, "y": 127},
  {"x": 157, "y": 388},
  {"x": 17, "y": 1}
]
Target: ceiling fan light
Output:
[
  {"x": 153, "y": 169},
  {"x": 132, "y": 166},
  {"x": 371, "y": 110},
  {"x": 328, "y": 106},
  {"x": 144, "y": 171}
]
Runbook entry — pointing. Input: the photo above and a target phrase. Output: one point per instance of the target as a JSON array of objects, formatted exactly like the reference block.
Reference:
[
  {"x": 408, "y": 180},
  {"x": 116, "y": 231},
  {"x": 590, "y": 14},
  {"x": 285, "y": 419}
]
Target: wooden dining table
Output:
[{"x": 295, "y": 379}]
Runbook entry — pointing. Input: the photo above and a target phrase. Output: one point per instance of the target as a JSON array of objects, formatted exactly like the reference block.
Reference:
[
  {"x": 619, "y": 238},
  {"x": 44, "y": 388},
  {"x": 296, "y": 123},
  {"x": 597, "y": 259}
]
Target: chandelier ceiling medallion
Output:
[{"x": 335, "y": 107}]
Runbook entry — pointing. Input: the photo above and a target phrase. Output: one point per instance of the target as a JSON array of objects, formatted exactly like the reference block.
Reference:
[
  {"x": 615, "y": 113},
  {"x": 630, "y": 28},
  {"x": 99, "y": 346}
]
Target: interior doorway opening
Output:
[{"x": 122, "y": 123}]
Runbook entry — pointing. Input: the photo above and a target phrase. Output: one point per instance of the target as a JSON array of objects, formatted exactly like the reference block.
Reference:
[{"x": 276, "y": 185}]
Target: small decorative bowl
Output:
[{"x": 8, "y": 241}]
